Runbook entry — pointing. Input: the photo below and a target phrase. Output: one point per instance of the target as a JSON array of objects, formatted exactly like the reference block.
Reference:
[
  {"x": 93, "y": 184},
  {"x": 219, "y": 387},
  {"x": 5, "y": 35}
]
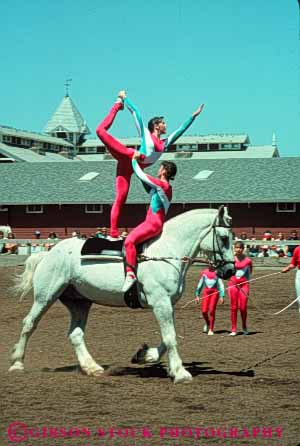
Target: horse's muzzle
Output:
[{"x": 226, "y": 271}]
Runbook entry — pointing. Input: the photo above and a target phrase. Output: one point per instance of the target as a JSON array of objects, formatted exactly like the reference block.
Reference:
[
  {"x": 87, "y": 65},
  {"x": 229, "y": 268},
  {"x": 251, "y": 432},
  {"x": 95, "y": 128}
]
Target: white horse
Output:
[{"x": 62, "y": 274}]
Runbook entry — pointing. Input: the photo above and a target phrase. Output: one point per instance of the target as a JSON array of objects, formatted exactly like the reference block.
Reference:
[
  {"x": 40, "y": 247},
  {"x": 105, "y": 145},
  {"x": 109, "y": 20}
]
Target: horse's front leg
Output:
[
  {"x": 164, "y": 314},
  {"x": 79, "y": 311}
]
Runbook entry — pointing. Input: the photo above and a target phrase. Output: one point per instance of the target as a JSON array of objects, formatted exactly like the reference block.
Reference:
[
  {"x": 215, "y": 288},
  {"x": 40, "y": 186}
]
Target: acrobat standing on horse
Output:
[{"x": 152, "y": 146}]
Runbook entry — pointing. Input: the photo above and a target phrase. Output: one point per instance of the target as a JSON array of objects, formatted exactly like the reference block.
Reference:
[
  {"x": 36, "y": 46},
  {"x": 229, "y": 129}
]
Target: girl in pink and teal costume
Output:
[
  {"x": 213, "y": 291},
  {"x": 238, "y": 289}
]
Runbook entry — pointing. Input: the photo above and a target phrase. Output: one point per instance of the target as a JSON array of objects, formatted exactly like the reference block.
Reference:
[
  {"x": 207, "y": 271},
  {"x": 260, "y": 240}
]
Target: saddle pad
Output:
[
  {"x": 111, "y": 258},
  {"x": 102, "y": 247}
]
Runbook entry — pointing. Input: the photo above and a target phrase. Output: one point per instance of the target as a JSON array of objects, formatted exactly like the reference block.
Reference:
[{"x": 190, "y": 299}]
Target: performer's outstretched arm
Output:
[
  {"x": 183, "y": 128},
  {"x": 136, "y": 116}
]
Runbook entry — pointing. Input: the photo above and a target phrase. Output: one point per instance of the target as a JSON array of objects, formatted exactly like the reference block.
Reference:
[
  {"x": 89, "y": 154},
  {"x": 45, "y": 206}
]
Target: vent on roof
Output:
[
  {"x": 89, "y": 176},
  {"x": 203, "y": 175}
]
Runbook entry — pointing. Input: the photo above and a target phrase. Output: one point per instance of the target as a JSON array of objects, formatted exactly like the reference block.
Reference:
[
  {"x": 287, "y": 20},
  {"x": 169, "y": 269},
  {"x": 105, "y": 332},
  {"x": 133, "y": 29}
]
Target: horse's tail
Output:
[{"x": 23, "y": 282}]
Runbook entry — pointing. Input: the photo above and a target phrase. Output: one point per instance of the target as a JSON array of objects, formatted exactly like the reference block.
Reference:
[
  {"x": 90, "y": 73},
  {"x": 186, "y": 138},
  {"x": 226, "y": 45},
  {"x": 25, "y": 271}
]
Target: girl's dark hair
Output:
[
  {"x": 153, "y": 122},
  {"x": 171, "y": 169},
  {"x": 239, "y": 244}
]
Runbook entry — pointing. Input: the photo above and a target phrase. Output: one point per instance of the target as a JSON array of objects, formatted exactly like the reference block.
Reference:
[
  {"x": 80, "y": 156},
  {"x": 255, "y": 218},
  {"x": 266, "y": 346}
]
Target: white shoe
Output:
[
  {"x": 130, "y": 279},
  {"x": 233, "y": 333},
  {"x": 205, "y": 328},
  {"x": 113, "y": 239},
  {"x": 245, "y": 331},
  {"x": 210, "y": 333}
]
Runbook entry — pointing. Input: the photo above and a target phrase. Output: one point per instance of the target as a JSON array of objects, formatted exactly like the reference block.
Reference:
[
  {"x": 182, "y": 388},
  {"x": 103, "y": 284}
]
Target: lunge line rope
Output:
[{"x": 248, "y": 281}]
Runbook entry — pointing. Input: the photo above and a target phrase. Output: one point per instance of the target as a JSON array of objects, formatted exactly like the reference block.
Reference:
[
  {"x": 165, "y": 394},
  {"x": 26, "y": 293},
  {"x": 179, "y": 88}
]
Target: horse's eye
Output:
[{"x": 225, "y": 240}]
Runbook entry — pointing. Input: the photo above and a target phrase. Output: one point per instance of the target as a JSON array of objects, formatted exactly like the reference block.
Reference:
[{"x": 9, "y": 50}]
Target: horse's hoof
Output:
[
  {"x": 95, "y": 371},
  {"x": 140, "y": 356},
  {"x": 17, "y": 367},
  {"x": 152, "y": 356},
  {"x": 183, "y": 377}
]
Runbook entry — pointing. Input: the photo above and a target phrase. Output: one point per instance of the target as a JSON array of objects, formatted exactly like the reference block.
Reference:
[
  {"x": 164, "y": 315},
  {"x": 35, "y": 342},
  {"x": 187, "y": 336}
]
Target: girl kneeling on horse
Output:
[{"x": 161, "y": 195}]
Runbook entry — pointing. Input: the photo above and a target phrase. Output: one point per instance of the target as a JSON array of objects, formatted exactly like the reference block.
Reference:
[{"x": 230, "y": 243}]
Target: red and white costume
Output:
[
  {"x": 151, "y": 149},
  {"x": 213, "y": 289},
  {"x": 238, "y": 291},
  {"x": 295, "y": 261}
]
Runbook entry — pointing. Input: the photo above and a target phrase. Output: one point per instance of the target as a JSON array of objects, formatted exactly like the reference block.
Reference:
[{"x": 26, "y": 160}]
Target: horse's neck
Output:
[{"x": 181, "y": 238}]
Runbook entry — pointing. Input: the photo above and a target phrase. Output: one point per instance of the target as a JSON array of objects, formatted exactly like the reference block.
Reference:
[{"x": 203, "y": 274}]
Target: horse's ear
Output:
[
  {"x": 223, "y": 216},
  {"x": 221, "y": 212}
]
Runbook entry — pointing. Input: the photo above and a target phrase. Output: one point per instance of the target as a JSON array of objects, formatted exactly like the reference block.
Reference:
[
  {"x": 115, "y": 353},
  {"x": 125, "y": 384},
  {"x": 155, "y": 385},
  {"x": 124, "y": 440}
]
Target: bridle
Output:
[{"x": 217, "y": 263}]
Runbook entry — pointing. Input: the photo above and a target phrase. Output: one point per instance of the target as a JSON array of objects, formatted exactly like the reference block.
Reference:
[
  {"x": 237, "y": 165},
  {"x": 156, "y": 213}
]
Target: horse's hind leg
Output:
[
  {"x": 49, "y": 282},
  {"x": 30, "y": 323},
  {"x": 79, "y": 311}
]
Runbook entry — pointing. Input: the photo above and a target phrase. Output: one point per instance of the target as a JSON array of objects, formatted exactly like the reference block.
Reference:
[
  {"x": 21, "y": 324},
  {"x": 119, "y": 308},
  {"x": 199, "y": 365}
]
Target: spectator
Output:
[
  {"x": 102, "y": 232},
  {"x": 264, "y": 251},
  {"x": 124, "y": 234},
  {"x": 83, "y": 236},
  {"x": 11, "y": 247},
  {"x": 273, "y": 251},
  {"x": 253, "y": 250},
  {"x": 244, "y": 236},
  {"x": 53, "y": 237},
  {"x": 281, "y": 247},
  {"x": 290, "y": 248},
  {"x": 36, "y": 247},
  {"x": 76, "y": 234},
  {"x": 1, "y": 242},
  {"x": 268, "y": 236}
]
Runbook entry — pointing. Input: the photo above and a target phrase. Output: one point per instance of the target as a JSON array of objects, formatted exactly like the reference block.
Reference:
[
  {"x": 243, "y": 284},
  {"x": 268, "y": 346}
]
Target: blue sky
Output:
[{"x": 242, "y": 59}]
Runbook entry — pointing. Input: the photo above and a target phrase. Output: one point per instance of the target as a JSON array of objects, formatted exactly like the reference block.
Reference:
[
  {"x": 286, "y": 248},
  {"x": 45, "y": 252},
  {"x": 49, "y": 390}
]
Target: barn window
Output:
[
  {"x": 94, "y": 208},
  {"x": 286, "y": 207},
  {"x": 34, "y": 209}
]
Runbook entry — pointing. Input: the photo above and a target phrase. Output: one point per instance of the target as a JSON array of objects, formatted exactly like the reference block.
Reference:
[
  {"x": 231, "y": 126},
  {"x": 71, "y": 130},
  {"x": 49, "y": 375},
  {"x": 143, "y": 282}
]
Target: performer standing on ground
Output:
[
  {"x": 238, "y": 289},
  {"x": 161, "y": 195},
  {"x": 151, "y": 149},
  {"x": 295, "y": 263},
  {"x": 213, "y": 290}
]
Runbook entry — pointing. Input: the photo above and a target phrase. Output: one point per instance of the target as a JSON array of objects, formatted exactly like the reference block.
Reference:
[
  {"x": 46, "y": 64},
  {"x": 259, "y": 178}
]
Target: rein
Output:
[{"x": 187, "y": 259}]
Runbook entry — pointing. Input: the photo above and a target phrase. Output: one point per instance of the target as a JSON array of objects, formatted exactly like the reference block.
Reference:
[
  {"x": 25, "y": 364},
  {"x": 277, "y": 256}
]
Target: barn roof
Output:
[{"x": 230, "y": 181}]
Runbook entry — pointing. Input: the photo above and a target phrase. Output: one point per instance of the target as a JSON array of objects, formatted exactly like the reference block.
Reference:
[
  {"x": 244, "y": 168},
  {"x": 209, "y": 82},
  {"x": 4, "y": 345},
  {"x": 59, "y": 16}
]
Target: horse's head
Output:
[{"x": 217, "y": 242}]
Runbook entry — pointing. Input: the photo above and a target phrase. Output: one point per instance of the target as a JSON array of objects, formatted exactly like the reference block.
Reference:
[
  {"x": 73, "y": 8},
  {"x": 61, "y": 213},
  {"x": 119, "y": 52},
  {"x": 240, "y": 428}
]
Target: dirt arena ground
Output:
[{"x": 245, "y": 391}]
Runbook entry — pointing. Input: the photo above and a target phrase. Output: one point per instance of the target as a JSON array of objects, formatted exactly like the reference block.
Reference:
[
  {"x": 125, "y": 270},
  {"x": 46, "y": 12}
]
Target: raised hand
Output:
[
  {"x": 122, "y": 94},
  {"x": 198, "y": 111}
]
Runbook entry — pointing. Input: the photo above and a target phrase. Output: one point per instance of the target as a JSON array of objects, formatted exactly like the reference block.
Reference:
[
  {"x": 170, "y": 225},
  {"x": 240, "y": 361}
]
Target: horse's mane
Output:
[{"x": 185, "y": 216}]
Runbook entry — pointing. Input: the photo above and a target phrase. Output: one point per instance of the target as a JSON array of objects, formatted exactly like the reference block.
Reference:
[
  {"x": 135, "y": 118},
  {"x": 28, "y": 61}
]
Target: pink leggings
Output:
[
  {"x": 238, "y": 298},
  {"x": 141, "y": 233},
  {"x": 123, "y": 155},
  {"x": 208, "y": 306}
]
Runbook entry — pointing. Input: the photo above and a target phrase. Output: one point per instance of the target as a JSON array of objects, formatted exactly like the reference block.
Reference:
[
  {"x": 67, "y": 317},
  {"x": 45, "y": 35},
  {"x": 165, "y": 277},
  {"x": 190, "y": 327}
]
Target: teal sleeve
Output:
[
  {"x": 220, "y": 287},
  {"x": 199, "y": 286},
  {"x": 180, "y": 131},
  {"x": 136, "y": 115}
]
